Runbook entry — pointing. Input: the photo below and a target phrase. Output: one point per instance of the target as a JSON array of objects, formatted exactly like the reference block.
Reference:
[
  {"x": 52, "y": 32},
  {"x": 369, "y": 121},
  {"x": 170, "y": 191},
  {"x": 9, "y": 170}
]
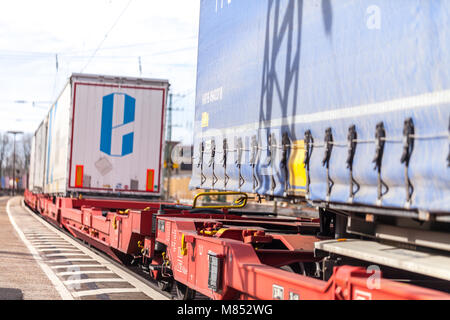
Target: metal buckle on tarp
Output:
[
  {"x": 272, "y": 143},
  {"x": 309, "y": 146},
  {"x": 284, "y": 160},
  {"x": 326, "y": 160},
  {"x": 253, "y": 161},
  {"x": 212, "y": 163},
  {"x": 200, "y": 163},
  {"x": 239, "y": 161},
  {"x": 448, "y": 157},
  {"x": 352, "y": 144},
  {"x": 380, "y": 136},
  {"x": 224, "y": 159},
  {"x": 408, "y": 148}
]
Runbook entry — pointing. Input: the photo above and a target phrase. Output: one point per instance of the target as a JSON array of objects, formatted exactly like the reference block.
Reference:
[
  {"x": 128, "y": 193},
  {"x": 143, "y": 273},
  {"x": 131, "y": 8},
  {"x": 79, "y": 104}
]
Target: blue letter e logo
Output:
[{"x": 117, "y": 124}]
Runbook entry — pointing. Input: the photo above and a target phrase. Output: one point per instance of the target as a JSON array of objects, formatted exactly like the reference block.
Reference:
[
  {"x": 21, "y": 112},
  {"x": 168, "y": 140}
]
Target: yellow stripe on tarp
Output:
[
  {"x": 205, "y": 119},
  {"x": 296, "y": 165}
]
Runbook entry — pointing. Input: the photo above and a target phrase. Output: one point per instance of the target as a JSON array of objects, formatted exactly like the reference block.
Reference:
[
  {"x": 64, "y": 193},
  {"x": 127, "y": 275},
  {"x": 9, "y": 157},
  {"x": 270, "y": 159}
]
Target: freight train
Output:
[{"x": 340, "y": 106}]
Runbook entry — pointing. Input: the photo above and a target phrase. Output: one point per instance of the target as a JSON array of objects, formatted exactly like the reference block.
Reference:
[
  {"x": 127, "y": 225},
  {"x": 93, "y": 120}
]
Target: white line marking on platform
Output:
[
  {"x": 104, "y": 291},
  {"x": 70, "y": 260},
  {"x": 130, "y": 278},
  {"x": 48, "y": 241},
  {"x": 35, "y": 231},
  {"x": 48, "y": 238},
  {"x": 67, "y": 266},
  {"x": 38, "y": 233},
  {"x": 80, "y": 281},
  {"x": 75, "y": 273},
  {"x": 41, "y": 234},
  {"x": 58, "y": 249},
  {"x": 49, "y": 246},
  {"x": 59, "y": 286},
  {"x": 65, "y": 254}
]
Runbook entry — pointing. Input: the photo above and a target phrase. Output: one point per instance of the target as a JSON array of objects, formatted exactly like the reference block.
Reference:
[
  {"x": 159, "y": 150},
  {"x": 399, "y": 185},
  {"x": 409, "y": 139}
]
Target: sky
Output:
[{"x": 43, "y": 42}]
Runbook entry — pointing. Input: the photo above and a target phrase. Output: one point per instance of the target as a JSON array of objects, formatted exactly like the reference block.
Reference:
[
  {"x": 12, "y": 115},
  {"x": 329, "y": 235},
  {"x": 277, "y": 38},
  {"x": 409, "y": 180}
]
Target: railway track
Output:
[{"x": 78, "y": 270}]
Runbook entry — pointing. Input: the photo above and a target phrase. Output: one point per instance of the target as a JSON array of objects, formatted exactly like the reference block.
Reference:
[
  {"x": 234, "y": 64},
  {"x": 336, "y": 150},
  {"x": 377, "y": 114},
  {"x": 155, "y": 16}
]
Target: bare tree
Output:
[
  {"x": 26, "y": 151},
  {"x": 5, "y": 147},
  {"x": 23, "y": 152}
]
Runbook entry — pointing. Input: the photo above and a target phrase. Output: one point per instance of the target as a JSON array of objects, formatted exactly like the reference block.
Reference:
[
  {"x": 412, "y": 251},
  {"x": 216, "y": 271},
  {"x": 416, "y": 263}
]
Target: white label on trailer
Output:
[
  {"x": 293, "y": 296},
  {"x": 277, "y": 292},
  {"x": 221, "y": 3},
  {"x": 167, "y": 223},
  {"x": 362, "y": 295},
  {"x": 173, "y": 241},
  {"x": 212, "y": 96}
]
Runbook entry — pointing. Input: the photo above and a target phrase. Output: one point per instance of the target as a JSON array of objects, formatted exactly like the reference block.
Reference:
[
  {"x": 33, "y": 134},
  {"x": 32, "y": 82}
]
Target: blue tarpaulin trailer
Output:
[{"x": 342, "y": 102}]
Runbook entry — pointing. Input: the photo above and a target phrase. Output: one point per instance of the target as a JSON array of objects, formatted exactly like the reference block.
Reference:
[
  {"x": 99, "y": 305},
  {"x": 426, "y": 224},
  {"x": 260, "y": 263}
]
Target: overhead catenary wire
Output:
[
  {"x": 106, "y": 35},
  {"x": 63, "y": 58},
  {"x": 79, "y": 53}
]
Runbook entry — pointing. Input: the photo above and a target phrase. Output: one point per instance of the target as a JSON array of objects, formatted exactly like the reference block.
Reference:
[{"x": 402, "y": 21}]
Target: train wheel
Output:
[
  {"x": 304, "y": 268},
  {"x": 165, "y": 285},
  {"x": 184, "y": 292}
]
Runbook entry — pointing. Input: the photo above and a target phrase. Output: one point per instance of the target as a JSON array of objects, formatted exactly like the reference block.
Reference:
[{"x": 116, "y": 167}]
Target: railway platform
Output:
[
  {"x": 38, "y": 262},
  {"x": 31, "y": 282}
]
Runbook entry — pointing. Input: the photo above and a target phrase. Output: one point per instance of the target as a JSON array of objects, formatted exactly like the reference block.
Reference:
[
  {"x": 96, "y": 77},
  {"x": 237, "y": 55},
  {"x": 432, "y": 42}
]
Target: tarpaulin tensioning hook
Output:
[
  {"x": 286, "y": 142},
  {"x": 200, "y": 163},
  {"x": 309, "y": 146},
  {"x": 408, "y": 147},
  {"x": 239, "y": 161},
  {"x": 448, "y": 157},
  {"x": 225, "y": 152},
  {"x": 253, "y": 160},
  {"x": 272, "y": 142},
  {"x": 326, "y": 160},
  {"x": 352, "y": 138},
  {"x": 212, "y": 162},
  {"x": 380, "y": 135}
]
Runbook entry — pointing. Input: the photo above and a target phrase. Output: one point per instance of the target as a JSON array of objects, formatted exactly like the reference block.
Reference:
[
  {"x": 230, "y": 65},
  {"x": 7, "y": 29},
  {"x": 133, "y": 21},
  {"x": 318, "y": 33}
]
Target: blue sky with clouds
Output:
[{"x": 162, "y": 33}]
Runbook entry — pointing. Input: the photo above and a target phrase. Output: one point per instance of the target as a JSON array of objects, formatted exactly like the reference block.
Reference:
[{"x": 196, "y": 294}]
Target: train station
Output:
[{"x": 239, "y": 150}]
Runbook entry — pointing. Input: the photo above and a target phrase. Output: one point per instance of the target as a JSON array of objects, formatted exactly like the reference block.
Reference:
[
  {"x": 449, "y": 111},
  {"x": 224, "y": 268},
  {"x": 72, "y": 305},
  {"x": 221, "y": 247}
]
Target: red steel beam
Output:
[{"x": 245, "y": 276}]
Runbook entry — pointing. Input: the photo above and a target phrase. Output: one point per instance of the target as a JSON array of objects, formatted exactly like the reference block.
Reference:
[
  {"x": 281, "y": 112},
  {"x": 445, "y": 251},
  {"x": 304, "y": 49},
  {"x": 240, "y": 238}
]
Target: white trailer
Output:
[
  {"x": 104, "y": 136},
  {"x": 37, "y": 158}
]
